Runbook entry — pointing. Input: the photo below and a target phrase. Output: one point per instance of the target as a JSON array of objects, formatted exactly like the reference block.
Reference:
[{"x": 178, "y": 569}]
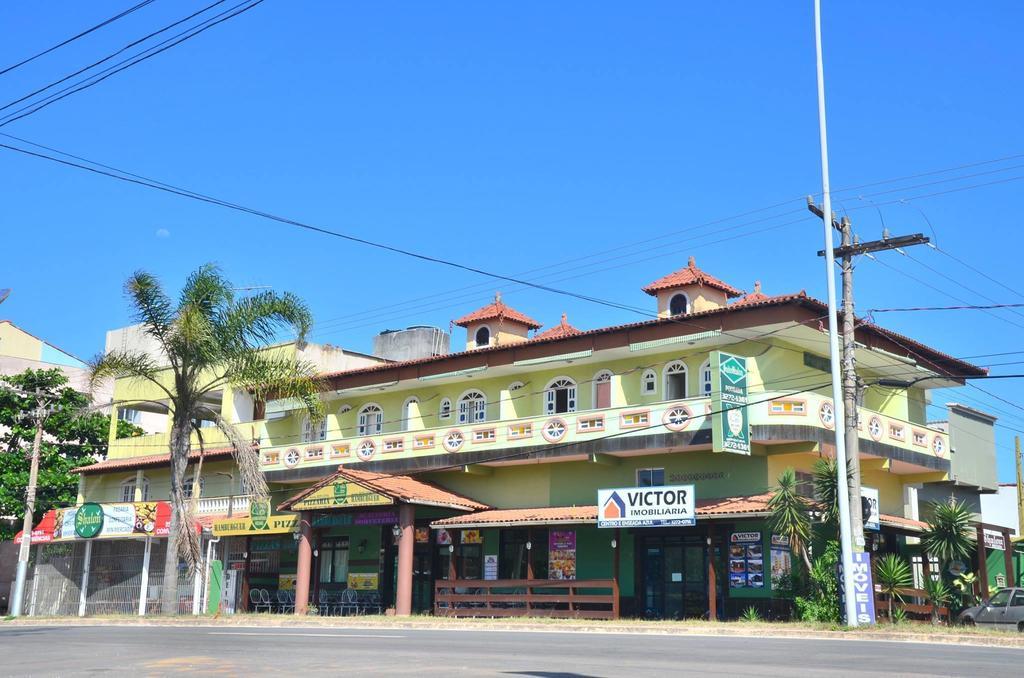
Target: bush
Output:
[
  {"x": 750, "y": 615},
  {"x": 821, "y": 604}
]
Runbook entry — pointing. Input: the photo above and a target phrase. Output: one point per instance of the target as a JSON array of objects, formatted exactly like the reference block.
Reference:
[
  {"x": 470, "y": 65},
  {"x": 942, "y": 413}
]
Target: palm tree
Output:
[
  {"x": 949, "y": 535},
  {"x": 938, "y": 593},
  {"x": 789, "y": 514},
  {"x": 210, "y": 340},
  {"x": 892, "y": 573},
  {"x": 826, "y": 491}
]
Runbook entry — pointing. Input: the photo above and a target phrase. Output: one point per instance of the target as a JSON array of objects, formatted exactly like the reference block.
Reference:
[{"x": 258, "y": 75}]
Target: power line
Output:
[
  {"x": 131, "y": 61},
  {"x": 76, "y": 37},
  {"x": 109, "y": 56},
  {"x": 966, "y": 307}
]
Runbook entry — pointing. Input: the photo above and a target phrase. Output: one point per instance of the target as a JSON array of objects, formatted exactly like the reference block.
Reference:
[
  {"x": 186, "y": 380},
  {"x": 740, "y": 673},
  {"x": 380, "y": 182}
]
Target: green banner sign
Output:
[
  {"x": 88, "y": 520},
  {"x": 730, "y": 422}
]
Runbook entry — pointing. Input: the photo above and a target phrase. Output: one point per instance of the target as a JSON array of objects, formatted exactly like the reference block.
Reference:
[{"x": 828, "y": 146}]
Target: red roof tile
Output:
[
  {"x": 899, "y": 521},
  {"x": 553, "y": 515},
  {"x": 562, "y": 329},
  {"x": 147, "y": 461},
  {"x": 691, "y": 275},
  {"x": 498, "y": 310},
  {"x": 402, "y": 488},
  {"x": 754, "y": 296}
]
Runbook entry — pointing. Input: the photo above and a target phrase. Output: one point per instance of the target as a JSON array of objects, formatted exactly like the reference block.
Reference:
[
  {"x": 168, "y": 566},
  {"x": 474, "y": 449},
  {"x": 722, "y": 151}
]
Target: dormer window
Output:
[
  {"x": 679, "y": 305},
  {"x": 483, "y": 337}
]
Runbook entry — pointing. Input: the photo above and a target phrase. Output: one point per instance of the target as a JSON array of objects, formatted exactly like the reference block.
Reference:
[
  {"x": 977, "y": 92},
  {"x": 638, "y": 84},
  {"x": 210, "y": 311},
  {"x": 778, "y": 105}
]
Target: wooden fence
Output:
[{"x": 571, "y": 599}]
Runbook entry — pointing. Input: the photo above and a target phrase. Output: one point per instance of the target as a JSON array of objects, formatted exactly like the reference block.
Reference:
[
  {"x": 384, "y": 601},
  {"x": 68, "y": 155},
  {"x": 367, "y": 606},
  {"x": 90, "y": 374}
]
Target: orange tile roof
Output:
[
  {"x": 900, "y": 521},
  {"x": 498, "y": 309},
  {"x": 149, "y": 460},
  {"x": 401, "y": 488},
  {"x": 553, "y": 515},
  {"x": 562, "y": 329},
  {"x": 754, "y": 296},
  {"x": 691, "y": 275}
]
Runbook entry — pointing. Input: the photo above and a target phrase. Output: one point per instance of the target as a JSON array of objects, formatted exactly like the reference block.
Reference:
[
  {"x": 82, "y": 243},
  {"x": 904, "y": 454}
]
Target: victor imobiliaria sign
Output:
[
  {"x": 663, "y": 506},
  {"x": 730, "y": 426}
]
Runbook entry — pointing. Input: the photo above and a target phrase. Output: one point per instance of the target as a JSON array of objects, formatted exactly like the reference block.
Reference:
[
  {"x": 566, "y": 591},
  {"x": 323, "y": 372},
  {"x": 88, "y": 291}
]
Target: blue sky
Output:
[{"x": 517, "y": 136}]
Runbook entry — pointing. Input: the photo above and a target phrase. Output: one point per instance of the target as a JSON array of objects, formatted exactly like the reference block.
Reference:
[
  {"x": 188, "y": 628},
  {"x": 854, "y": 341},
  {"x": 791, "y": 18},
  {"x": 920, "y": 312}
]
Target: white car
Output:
[{"x": 1004, "y": 610}]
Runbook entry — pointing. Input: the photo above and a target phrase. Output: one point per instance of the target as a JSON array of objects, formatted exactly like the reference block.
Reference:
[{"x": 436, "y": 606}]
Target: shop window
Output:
[
  {"x": 334, "y": 561},
  {"x": 705, "y": 378},
  {"x": 313, "y": 431},
  {"x": 649, "y": 382},
  {"x": 513, "y": 554},
  {"x": 472, "y": 407},
  {"x": 603, "y": 390},
  {"x": 560, "y": 396},
  {"x": 483, "y": 337},
  {"x": 650, "y": 477},
  {"x": 675, "y": 380},
  {"x": 128, "y": 489},
  {"x": 470, "y": 561},
  {"x": 445, "y": 410},
  {"x": 371, "y": 420},
  {"x": 679, "y": 304}
]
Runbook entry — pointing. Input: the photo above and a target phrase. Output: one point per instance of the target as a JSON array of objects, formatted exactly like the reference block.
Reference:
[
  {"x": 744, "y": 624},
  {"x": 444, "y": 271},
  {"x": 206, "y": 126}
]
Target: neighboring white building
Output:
[
  {"x": 21, "y": 350},
  {"x": 1001, "y": 508}
]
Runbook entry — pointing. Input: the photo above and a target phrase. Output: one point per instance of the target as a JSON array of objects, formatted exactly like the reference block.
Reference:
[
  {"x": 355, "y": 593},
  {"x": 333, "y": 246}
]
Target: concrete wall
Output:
[{"x": 972, "y": 438}]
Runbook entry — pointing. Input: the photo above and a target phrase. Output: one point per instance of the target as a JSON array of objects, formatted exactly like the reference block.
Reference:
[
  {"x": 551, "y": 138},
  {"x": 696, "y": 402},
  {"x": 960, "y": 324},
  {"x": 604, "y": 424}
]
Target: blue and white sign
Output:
[
  {"x": 662, "y": 506},
  {"x": 863, "y": 588},
  {"x": 869, "y": 508}
]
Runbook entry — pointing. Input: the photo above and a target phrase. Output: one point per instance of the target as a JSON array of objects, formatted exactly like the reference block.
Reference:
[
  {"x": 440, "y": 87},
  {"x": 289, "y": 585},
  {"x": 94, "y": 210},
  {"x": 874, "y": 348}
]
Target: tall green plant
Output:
[
  {"x": 210, "y": 340},
  {"x": 821, "y": 604},
  {"x": 949, "y": 535},
  {"x": 826, "y": 491},
  {"x": 938, "y": 593},
  {"x": 892, "y": 573},
  {"x": 789, "y": 514}
]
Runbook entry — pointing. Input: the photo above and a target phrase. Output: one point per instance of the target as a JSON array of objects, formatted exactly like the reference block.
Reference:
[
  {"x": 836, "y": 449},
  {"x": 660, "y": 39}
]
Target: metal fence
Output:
[{"x": 115, "y": 579}]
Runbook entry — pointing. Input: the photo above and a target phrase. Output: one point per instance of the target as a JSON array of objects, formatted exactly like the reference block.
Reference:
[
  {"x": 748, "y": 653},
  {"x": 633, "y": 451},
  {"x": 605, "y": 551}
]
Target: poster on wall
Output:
[
  {"x": 730, "y": 429},
  {"x": 869, "y": 508},
  {"x": 562, "y": 554},
  {"x": 286, "y": 582},
  {"x": 422, "y": 535},
  {"x": 444, "y": 537},
  {"x": 746, "y": 560},
  {"x": 491, "y": 567},
  {"x": 782, "y": 559},
  {"x": 471, "y": 537},
  {"x": 362, "y": 581}
]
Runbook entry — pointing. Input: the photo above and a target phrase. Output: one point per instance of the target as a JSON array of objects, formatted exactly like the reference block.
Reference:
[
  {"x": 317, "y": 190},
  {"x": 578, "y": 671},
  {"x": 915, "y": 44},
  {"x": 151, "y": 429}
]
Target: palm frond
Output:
[
  {"x": 119, "y": 364},
  {"x": 151, "y": 306},
  {"x": 247, "y": 458},
  {"x": 207, "y": 290},
  {"x": 789, "y": 511},
  {"x": 266, "y": 375},
  {"x": 949, "y": 535},
  {"x": 257, "y": 320}
]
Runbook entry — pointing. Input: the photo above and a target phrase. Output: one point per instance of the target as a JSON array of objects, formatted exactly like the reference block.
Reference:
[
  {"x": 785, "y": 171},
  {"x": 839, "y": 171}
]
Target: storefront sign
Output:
[
  {"x": 103, "y": 521},
  {"x": 730, "y": 429},
  {"x": 746, "y": 560},
  {"x": 471, "y": 537},
  {"x": 869, "y": 508},
  {"x": 376, "y": 518},
  {"x": 863, "y": 588},
  {"x": 782, "y": 559},
  {"x": 994, "y": 540},
  {"x": 281, "y": 523},
  {"x": 341, "y": 494},
  {"x": 562, "y": 554},
  {"x": 665, "y": 506},
  {"x": 362, "y": 581}
]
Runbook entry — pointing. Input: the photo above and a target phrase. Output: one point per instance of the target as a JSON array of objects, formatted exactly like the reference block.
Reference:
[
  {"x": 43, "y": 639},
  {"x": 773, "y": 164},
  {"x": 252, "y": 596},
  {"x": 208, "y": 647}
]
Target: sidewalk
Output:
[{"x": 911, "y": 632}]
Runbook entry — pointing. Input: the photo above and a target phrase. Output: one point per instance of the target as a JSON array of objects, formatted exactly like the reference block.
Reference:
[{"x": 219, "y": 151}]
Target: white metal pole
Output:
[
  {"x": 845, "y": 538},
  {"x": 144, "y": 582},
  {"x": 197, "y": 582},
  {"x": 86, "y": 564}
]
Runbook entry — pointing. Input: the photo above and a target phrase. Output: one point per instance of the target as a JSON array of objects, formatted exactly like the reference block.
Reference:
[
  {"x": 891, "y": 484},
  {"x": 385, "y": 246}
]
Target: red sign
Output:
[{"x": 128, "y": 519}]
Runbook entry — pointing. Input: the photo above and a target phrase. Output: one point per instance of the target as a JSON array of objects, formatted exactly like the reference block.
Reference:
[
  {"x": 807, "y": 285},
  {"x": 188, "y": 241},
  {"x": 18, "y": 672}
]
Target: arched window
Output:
[
  {"x": 675, "y": 380},
  {"x": 602, "y": 390},
  {"x": 371, "y": 420},
  {"x": 188, "y": 487},
  {"x": 705, "y": 378},
  {"x": 649, "y": 382},
  {"x": 313, "y": 431},
  {"x": 409, "y": 410},
  {"x": 516, "y": 385},
  {"x": 679, "y": 304},
  {"x": 445, "y": 410},
  {"x": 128, "y": 489},
  {"x": 483, "y": 336},
  {"x": 560, "y": 396},
  {"x": 472, "y": 407}
]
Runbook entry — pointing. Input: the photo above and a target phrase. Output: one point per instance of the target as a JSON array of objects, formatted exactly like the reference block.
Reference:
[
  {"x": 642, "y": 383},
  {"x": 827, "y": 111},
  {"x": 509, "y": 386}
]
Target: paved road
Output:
[{"x": 226, "y": 651}]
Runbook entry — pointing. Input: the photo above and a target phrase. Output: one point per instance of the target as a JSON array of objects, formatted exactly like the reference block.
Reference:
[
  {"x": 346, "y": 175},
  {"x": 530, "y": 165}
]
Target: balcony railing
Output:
[
  {"x": 219, "y": 505},
  {"x": 158, "y": 443},
  {"x": 768, "y": 408}
]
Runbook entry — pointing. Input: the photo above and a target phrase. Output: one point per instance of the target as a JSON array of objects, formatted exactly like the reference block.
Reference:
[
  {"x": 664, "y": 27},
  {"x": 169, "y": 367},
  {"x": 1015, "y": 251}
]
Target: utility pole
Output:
[
  {"x": 851, "y": 384},
  {"x": 39, "y": 416},
  {"x": 845, "y": 542},
  {"x": 1020, "y": 489}
]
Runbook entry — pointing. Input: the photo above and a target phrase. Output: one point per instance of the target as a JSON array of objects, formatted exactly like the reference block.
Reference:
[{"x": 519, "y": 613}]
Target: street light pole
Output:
[
  {"x": 39, "y": 415},
  {"x": 845, "y": 537}
]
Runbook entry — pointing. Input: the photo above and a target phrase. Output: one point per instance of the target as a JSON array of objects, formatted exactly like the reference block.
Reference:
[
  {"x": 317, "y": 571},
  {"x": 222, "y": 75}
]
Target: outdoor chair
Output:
[
  {"x": 285, "y": 603},
  {"x": 327, "y": 604},
  {"x": 373, "y": 602},
  {"x": 349, "y": 602},
  {"x": 257, "y": 600},
  {"x": 266, "y": 601}
]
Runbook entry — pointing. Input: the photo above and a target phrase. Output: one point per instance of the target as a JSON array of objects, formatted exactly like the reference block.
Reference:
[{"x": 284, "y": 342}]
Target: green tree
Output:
[
  {"x": 210, "y": 340},
  {"x": 938, "y": 593},
  {"x": 821, "y": 603},
  {"x": 892, "y": 573},
  {"x": 790, "y": 514},
  {"x": 826, "y": 491},
  {"x": 73, "y": 436},
  {"x": 949, "y": 535}
]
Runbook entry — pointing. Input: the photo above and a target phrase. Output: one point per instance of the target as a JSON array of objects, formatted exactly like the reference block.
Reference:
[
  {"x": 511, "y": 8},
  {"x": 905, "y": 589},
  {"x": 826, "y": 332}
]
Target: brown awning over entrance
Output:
[{"x": 399, "y": 489}]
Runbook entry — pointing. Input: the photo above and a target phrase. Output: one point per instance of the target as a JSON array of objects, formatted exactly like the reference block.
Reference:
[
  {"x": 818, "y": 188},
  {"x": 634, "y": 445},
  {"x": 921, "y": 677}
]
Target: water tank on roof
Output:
[{"x": 412, "y": 343}]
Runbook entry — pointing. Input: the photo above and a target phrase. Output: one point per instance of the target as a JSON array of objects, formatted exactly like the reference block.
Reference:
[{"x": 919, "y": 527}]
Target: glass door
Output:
[{"x": 674, "y": 577}]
